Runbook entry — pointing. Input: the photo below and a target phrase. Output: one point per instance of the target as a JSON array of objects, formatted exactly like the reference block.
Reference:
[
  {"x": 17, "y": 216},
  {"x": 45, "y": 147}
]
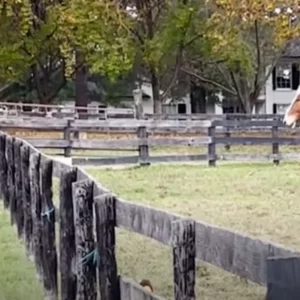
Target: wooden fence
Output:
[
  {"x": 63, "y": 111},
  {"x": 205, "y": 133},
  {"x": 85, "y": 257}
]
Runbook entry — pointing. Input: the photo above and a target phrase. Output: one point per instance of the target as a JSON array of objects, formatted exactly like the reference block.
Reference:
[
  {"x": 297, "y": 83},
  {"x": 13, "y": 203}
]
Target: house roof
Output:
[{"x": 292, "y": 49}]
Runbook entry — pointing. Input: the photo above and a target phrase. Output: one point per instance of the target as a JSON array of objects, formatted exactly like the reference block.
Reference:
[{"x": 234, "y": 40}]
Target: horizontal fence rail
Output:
[
  {"x": 88, "y": 214},
  {"x": 202, "y": 133}
]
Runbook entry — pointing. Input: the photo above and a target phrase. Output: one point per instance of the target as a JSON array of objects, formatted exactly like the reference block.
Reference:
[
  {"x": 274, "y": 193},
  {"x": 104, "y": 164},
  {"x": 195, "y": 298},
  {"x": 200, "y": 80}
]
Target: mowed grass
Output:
[
  {"x": 257, "y": 199},
  {"x": 18, "y": 279}
]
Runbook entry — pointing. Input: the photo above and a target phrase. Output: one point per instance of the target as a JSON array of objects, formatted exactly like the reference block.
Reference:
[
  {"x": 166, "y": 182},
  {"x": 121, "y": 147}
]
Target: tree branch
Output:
[
  {"x": 63, "y": 83},
  {"x": 192, "y": 40},
  {"x": 181, "y": 47},
  {"x": 238, "y": 90},
  {"x": 258, "y": 59},
  {"x": 224, "y": 76},
  {"x": 209, "y": 81},
  {"x": 175, "y": 74}
]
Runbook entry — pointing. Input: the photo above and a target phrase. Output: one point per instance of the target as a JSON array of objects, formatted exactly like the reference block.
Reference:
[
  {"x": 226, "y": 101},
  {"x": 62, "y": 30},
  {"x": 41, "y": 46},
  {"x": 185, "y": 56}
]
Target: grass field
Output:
[
  {"x": 17, "y": 275},
  {"x": 257, "y": 199}
]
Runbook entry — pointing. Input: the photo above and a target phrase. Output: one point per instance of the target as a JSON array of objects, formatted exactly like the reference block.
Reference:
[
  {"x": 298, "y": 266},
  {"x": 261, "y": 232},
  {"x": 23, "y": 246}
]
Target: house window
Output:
[
  {"x": 284, "y": 76},
  {"x": 169, "y": 109},
  {"x": 281, "y": 108},
  {"x": 181, "y": 108}
]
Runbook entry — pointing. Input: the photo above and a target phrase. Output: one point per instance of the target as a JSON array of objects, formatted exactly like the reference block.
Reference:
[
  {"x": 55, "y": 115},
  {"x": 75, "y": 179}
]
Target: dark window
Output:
[{"x": 182, "y": 108}]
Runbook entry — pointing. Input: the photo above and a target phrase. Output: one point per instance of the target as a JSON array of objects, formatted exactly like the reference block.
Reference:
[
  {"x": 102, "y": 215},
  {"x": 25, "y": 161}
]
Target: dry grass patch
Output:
[{"x": 257, "y": 199}]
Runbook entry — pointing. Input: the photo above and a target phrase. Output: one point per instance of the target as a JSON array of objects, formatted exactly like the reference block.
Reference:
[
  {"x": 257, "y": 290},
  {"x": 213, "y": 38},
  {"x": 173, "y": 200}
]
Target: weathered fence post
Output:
[
  {"x": 3, "y": 170},
  {"x": 67, "y": 235},
  {"x": 184, "y": 264},
  {"x": 105, "y": 212},
  {"x": 143, "y": 149},
  {"x": 9, "y": 153},
  {"x": 283, "y": 278},
  {"x": 211, "y": 153},
  {"x": 84, "y": 237},
  {"x": 67, "y": 137},
  {"x": 11, "y": 175},
  {"x": 227, "y": 133},
  {"x": 18, "y": 216},
  {"x": 49, "y": 257},
  {"x": 138, "y": 103},
  {"x": 35, "y": 159},
  {"x": 275, "y": 145},
  {"x": 26, "y": 198}
]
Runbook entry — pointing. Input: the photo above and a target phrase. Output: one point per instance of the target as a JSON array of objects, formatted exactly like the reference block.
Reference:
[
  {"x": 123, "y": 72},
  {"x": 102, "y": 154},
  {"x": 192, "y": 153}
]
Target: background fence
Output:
[
  {"x": 141, "y": 135},
  {"x": 27, "y": 192}
]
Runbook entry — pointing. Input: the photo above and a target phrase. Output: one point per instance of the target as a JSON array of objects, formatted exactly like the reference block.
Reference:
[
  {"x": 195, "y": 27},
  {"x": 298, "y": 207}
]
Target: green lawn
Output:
[
  {"x": 17, "y": 274},
  {"x": 258, "y": 199}
]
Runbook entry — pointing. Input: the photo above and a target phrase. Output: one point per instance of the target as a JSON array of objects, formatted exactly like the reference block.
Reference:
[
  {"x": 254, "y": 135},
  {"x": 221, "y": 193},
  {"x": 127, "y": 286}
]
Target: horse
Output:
[{"x": 292, "y": 113}]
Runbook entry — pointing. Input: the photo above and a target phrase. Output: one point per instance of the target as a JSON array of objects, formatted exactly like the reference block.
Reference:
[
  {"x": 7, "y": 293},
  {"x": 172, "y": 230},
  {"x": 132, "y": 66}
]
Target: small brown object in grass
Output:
[{"x": 147, "y": 285}]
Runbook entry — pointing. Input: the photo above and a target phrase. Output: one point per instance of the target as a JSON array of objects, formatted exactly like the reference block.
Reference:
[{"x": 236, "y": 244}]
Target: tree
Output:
[
  {"x": 40, "y": 40},
  {"x": 156, "y": 44},
  {"x": 246, "y": 41}
]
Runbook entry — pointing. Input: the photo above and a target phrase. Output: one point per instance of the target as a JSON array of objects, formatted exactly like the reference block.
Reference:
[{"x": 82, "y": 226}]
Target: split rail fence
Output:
[
  {"x": 205, "y": 133},
  {"x": 88, "y": 214}
]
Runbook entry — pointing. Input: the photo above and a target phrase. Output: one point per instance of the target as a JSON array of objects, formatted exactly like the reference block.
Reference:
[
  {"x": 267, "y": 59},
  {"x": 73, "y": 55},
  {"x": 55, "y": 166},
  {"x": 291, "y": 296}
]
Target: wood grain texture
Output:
[
  {"x": 49, "y": 255},
  {"x": 29, "y": 122},
  {"x": 36, "y": 205},
  {"x": 67, "y": 235},
  {"x": 213, "y": 116},
  {"x": 184, "y": 263},
  {"x": 78, "y": 161},
  {"x": 152, "y": 125},
  {"x": 127, "y": 144},
  {"x": 84, "y": 237},
  {"x": 283, "y": 278},
  {"x": 275, "y": 146},
  {"x": 3, "y": 170},
  {"x": 98, "y": 189},
  {"x": 11, "y": 174},
  {"x": 67, "y": 137},
  {"x": 59, "y": 167},
  {"x": 143, "y": 149},
  {"x": 257, "y": 140},
  {"x": 228, "y": 250},
  {"x": 135, "y": 159},
  {"x": 258, "y": 157},
  {"x": 26, "y": 197},
  {"x": 177, "y": 158},
  {"x": 248, "y": 123},
  {"x": 18, "y": 216},
  {"x": 131, "y": 290},
  {"x": 48, "y": 143},
  {"x": 106, "y": 243},
  {"x": 211, "y": 147}
]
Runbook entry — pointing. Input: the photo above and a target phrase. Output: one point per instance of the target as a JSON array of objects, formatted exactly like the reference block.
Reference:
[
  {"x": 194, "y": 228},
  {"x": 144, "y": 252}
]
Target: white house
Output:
[
  {"x": 182, "y": 106},
  {"x": 284, "y": 81}
]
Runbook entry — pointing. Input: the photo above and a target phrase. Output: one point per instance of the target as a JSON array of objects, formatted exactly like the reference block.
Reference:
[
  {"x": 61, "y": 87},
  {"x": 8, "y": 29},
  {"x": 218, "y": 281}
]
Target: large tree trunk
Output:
[
  {"x": 81, "y": 87},
  {"x": 248, "y": 103},
  {"x": 198, "y": 99},
  {"x": 157, "y": 104}
]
